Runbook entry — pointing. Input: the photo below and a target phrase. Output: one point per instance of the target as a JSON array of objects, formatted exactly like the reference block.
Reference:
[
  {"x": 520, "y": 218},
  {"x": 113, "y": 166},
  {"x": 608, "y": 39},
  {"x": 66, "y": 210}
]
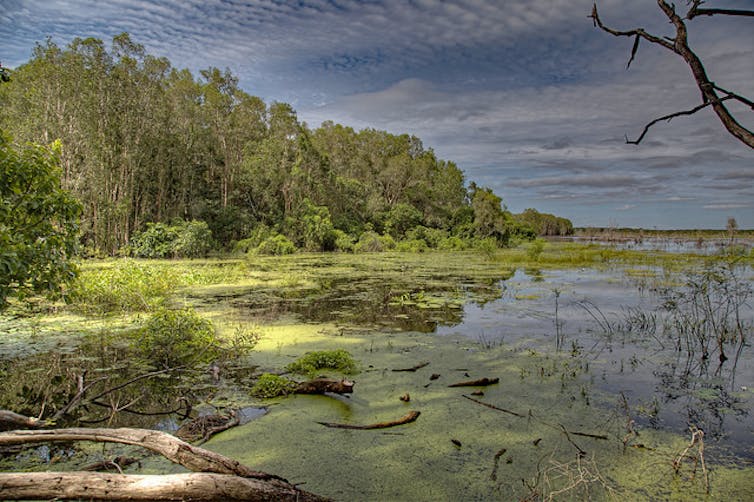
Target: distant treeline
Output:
[
  {"x": 164, "y": 161},
  {"x": 634, "y": 233}
]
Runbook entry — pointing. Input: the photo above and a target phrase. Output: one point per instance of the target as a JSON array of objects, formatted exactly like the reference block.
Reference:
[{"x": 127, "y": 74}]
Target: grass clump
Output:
[
  {"x": 122, "y": 286},
  {"x": 311, "y": 362},
  {"x": 268, "y": 386}
]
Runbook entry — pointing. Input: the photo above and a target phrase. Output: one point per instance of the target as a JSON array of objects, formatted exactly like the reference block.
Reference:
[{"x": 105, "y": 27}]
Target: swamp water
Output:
[{"x": 588, "y": 408}]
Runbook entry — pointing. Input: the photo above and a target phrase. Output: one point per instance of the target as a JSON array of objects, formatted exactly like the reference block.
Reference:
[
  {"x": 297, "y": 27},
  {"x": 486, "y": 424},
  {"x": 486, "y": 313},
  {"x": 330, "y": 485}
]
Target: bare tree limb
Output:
[
  {"x": 669, "y": 117},
  {"x": 679, "y": 45}
]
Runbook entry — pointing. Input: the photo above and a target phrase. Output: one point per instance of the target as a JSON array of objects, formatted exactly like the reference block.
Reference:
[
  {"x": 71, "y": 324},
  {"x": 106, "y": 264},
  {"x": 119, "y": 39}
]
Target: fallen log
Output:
[
  {"x": 219, "y": 477},
  {"x": 168, "y": 487},
  {"x": 322, "y": 385},
  {"x": 476, "y": 383},
  {"x": 408, "y": 418},
  {"x": 180, "y": 452},
  {"x": 413, "y": 368},
  {"x": 11, "y": 420}
]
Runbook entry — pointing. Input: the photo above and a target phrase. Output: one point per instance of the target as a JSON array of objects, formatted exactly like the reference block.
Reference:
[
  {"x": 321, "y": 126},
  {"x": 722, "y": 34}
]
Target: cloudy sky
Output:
[{"x": 524, "y": 95}]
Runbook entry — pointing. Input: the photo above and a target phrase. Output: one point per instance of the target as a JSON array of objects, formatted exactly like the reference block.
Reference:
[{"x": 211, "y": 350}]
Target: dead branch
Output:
[
  {"x": 413, "y": 368},
  {"x": 104, "y": 486},
  {"x": 493, "y": 407},
  {"x": 408, "y": 418},
  {"x": 679, "y": 45},
  {"x": 322, "y": 385},
  {"x": 476, "y": 383},
  {"x": 202, "y": 428},
  {"x": 191, "y": 457},
  {"x": 11, "y": 420}
]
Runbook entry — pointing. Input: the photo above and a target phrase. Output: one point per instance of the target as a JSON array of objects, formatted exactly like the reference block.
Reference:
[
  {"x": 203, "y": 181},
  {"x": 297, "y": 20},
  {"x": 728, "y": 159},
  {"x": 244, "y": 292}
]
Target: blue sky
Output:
[{"x": 524, "y": 95}]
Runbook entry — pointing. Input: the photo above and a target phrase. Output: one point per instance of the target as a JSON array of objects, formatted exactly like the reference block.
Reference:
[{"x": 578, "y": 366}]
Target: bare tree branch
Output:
[
  {"x": 668, "y": 117},
  {"x": 679, "y": 45}
]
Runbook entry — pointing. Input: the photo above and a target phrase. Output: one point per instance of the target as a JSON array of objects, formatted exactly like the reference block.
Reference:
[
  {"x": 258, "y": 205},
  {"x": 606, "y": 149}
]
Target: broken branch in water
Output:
[
  {"x": 493, "y": 407},
  {"x": 413, "y": 368},
  {"x": 476, "y": 383},
  {"x": 409, "y": 417}
]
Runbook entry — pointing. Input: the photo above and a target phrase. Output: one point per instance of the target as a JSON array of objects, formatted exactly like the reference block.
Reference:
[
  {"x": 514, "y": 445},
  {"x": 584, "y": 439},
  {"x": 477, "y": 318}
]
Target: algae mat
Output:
[{"x": 545, "y": 438}]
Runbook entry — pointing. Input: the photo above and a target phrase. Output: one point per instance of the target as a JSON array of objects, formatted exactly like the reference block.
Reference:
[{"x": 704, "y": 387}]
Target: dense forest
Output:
[{"x": 165, "y": 163}]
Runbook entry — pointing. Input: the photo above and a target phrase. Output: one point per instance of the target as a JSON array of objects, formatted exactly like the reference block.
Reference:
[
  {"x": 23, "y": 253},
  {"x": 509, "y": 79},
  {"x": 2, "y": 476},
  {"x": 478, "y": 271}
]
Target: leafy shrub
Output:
[
  {"x": 452, "y": 243},
  {"x": 125, "y": 286},
  {"x": 269, "y": 385},
  {"x": 432, "y": 236},
  {"x": 276, "y": 245},
  {"x": 170, "y": 338},
  {"x": 312, "y": 362},
  {"x": 487, "y": 246},
  {"x": 257, "y": 236},
  {"x": 154, "y": 242},
  {"x": 535, "y": 248},
  {"x": 402, "y": 217},
  {"x": 343, "y": 241},
  {"x": 194, "y": 240},
  {"x": 182, "y": 239},
  {"x": 369, "y": 242},
  {"x": 412, "y": 246}
]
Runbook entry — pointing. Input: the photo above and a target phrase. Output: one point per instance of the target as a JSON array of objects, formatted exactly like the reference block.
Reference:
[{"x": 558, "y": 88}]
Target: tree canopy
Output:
[
  {"x": 38, "y": 222},
  {"x": 146, "y": 143}
]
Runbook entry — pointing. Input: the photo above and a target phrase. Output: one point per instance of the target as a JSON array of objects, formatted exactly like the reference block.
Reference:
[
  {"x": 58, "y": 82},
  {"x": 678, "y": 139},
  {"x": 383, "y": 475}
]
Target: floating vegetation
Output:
[
  {"x": 268, "y": 386},
  {"x": 338, "y": 360}
]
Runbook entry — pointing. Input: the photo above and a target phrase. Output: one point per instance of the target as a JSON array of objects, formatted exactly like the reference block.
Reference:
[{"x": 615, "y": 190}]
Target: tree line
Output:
[{"x": 153, "y": 152}]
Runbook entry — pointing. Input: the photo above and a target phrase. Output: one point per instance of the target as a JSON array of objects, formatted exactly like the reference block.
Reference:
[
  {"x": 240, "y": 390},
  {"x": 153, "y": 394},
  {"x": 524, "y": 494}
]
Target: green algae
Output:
[{"x": 381, "y": 308}]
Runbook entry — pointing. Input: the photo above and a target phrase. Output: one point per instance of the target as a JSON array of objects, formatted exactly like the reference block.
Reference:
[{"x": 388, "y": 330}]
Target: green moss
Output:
[
  {"x": 312, "y": 362},
  {"x": 269, "y": 386}
]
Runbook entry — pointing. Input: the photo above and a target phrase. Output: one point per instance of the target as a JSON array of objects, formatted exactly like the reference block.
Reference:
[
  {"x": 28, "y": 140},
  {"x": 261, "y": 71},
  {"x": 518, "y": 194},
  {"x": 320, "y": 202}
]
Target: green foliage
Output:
[
  {"x": 310, "y": 363},
  {"x": 343, "y": 242},
  {"x": 412, "y": 246},
  {"x": 172, "y": 338},
  {"x": 314, "y": 227},
  {"x": 535, "y": 248},
  {"x": 155, "y": 242},
  {"x": 269, "y": 386},
  {"x": 194, "y": 240},
  {"x": 123, "y": 286},
  {"x": 182, "y": 239},
  {"x": 369, "y": 242},
  {"x": 39, "y": 222},
  {"x": 401, "y": 218},
  {"x": 146, "y": 142},
  {"x": 276, "y": 245},
  {"x": 452, "y": 243}
]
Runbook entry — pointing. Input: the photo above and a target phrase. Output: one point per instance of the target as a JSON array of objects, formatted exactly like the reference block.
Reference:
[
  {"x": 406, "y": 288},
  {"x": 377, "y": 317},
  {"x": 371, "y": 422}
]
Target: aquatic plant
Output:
[
  {"x": 311, "y": 362},
  {"x": 123, "y": 285},
  {"x": 269, "y": 386},
  {"x": 708, "y": 312},
  {"x": 171, "y": 338}
]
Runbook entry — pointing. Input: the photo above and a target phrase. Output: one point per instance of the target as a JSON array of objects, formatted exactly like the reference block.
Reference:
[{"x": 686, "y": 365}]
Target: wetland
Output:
[{"x": 622, "y": 373}]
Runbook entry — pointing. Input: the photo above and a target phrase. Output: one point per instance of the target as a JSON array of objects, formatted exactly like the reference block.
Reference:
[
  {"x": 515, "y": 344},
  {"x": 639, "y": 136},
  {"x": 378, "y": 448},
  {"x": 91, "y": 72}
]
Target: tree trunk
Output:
[
  {"x": 269, "y": 486},
  {"x": 104, "y": 486}
]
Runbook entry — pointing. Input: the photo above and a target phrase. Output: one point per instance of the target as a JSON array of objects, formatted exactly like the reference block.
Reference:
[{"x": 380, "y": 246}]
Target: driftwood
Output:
[
  {"x": 191, "y": 457},
  {"x": 476, "y": 383},
  {"x": 493, "y": 407},
  {"x": 11, "y": 420},
  {"x": 257, "y": 485},
  {"x": 116, "y": 464},
  {"x": 322, "y": 385},
  {"x": 409, "y": 417},
  {"x": 104, "y": 486},
  {"x": 413, "y": 368}
]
